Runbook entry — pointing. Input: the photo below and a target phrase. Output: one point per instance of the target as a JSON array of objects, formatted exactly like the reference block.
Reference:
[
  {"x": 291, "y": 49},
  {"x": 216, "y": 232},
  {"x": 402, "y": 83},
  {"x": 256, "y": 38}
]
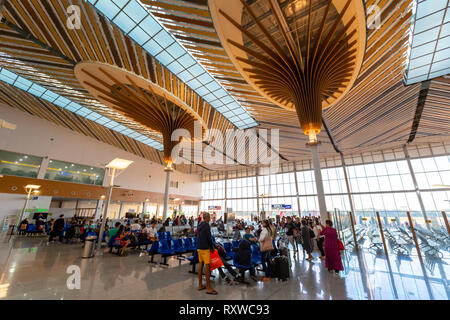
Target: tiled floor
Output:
[{"x": 31, "y": 269}]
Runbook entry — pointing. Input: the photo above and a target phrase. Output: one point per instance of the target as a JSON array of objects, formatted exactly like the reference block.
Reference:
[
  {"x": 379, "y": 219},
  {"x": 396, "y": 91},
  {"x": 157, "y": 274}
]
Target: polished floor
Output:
[{"x": 31, "y": 269}]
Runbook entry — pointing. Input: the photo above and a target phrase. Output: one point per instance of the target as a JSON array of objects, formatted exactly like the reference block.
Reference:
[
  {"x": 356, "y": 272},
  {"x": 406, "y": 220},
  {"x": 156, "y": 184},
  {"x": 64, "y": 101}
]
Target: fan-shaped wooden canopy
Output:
[
  {"x": 140, "y": 100},
  {"x": 303, "y": 55}
]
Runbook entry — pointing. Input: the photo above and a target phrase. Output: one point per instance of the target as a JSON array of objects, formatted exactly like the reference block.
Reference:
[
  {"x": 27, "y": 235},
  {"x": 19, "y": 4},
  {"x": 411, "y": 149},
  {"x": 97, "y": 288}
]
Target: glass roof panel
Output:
[
  {"x": 39, "y": 91},
  {"x": 140, "y": 25},
  {"x": 429, "y": 41}
]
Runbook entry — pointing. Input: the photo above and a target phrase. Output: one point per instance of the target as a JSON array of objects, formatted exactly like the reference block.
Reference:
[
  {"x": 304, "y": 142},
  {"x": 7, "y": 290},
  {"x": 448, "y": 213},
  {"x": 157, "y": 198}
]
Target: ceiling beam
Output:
[{"x": 419, "y": 109}]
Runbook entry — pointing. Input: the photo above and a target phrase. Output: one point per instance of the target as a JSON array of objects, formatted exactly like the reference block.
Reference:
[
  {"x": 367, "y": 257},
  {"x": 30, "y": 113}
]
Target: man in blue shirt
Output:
[{"x": 205, "y": 247}]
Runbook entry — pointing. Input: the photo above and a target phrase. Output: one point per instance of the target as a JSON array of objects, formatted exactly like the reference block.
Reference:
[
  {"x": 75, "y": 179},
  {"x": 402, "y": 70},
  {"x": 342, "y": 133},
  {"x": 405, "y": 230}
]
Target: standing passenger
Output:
[{"x": 332, "y": 255}]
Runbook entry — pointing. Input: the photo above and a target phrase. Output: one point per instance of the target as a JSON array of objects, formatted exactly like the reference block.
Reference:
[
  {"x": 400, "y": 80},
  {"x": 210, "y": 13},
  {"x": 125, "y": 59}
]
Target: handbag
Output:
[
  {"x": 340, "y": 245},
  {"x": 215, "y": 261},
  {"x": 267, "y": 245}
]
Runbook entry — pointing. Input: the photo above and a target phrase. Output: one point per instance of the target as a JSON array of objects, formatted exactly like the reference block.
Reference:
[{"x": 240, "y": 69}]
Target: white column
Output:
[
  {"x": 226, "y": 192},
  {"x": 319, "y": 183},
  {"x": 349, "y": 190},
  {"x": 416, "y": 186},
  {"x": 98, "y": 210},
  {"x": 43, "y": 168},
  {"x": 257, "y": 192},
  {"x": 166, "y": 195},
  {"x": 105, "y": 214},
  {"x": 296, "y": 190}
]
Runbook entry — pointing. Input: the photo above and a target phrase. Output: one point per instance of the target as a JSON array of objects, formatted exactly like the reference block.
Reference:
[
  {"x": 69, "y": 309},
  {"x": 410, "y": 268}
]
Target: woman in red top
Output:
[{"x": 332, "y": 254}]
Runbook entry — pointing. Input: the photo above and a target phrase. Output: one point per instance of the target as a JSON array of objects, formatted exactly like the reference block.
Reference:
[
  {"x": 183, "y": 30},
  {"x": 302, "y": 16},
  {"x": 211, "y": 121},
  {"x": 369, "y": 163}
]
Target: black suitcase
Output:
[
  {"x": 282, "y": 267},
  {"x": 273, "y": 267}
]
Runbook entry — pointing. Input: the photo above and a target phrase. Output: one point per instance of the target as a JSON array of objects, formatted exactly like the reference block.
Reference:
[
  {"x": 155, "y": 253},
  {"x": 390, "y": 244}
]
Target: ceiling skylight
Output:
[
  {"x": 40, "y": 92},
  {"x": 430, "y": 41},
  {"x": 140, "y": 25}
]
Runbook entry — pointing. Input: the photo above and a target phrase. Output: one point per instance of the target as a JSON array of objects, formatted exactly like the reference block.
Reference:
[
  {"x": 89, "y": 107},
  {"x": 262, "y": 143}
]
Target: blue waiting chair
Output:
[
  {"x": 165, "y": 251},
  {"x": 179, "y": 250},
  {"x": 256, "y": 255},
  {"x": 187, "y": 244},
  {"x": 168, "y": 236},
  {"x": 31, "y": 229},
  {"x": 161, "y": 235},
  {"x": 153, "y": 250},
  {"x": 194, "y": 242},
  {"x": 242, "y": 268},
  {"x": 234, "y": 244},
  {"x": 229, "y": 250}
]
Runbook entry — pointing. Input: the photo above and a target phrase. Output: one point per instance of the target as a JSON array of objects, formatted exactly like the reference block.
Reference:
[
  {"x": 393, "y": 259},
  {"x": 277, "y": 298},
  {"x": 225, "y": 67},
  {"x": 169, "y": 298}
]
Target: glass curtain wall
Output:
[
  {"x": 18, "y": 164},
  {"x": 379, "y": 181}
]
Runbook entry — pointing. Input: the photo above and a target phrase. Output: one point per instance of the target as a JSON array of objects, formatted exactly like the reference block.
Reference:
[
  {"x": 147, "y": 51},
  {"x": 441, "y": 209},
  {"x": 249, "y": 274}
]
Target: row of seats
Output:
[{"x": 172, "y": 247}]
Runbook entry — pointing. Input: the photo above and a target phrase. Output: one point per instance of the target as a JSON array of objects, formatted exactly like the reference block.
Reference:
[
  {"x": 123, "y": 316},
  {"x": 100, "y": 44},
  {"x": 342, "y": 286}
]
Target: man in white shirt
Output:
[
  {"x": 152, "y": 232},
  {"x": 135, "y": 226}
]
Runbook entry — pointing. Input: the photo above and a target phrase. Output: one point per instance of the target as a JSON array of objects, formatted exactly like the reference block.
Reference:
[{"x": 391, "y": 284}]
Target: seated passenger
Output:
[
  {"x": 135, "y": 226},
  {"x": 23, "y": 226},
  {"x": 244, "y": 258},
  {"x": 112, "y": 232},
  {"x": 152, "y": 232},
  {"x": 249, "y": 236},
  {"x": 223, "y": 255},
  {"x": 123, "y": 237}
]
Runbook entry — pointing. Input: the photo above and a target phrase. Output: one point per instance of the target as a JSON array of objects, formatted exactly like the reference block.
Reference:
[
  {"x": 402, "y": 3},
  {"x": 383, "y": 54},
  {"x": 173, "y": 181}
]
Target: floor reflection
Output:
[{"x": 32, "y": 269}]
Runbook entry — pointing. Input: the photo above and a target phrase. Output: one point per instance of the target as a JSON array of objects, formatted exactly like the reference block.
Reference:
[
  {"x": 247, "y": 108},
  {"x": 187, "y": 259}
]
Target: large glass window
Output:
[
  {"x": 18, "y": 164},
  {"x": 71, "y": 172},
  {"x": 379, "y": 181}
]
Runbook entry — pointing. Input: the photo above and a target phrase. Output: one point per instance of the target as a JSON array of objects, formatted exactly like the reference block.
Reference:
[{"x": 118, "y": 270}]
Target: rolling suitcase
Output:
[{"x": 282, "y": 267}]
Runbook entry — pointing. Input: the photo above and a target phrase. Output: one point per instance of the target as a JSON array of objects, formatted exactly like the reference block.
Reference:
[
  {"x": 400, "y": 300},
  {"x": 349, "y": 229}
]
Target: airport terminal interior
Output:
[{"x": 322, "y": 125}]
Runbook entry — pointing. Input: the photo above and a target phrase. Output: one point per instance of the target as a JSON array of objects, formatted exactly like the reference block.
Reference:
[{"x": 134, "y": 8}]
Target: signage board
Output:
[
  {"x": 282, "y": 206},
  {"x": 214, "y": 208}
]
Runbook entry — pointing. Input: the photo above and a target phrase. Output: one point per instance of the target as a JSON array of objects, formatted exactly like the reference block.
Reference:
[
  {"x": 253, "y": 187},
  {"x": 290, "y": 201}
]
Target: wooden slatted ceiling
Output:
[
  {"x": 97, "y": 40},
  {"x": 435, "y": 120},
  {"x": 379, "y": 109},
  {"x": 26, "y": 102},
  {"x": 176, "y": 14},
  {"x": 364, "y": 119}
]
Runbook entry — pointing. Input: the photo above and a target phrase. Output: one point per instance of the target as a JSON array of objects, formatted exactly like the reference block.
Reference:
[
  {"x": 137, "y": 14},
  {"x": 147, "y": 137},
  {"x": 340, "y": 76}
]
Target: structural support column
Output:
[
  {"x": 226, "y": 192},
  {"x": 349, "y": 190},
  {"x": 166, "y": 194},
  {"x": 416, "y": 186},
  {"x": 257, "y": 192},
  {"x": 43, "y": 168},
  {"x": 105, "y": 213},
  {"x": 296, "y": 190},
  {"x": 319, "y": 184}
]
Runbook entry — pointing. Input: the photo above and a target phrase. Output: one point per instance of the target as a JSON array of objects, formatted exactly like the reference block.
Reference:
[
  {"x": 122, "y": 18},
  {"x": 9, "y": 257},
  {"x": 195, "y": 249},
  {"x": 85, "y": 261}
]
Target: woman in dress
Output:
[
  {"x": 306, "y": 237},
  {"x": 332, "y": 254}
]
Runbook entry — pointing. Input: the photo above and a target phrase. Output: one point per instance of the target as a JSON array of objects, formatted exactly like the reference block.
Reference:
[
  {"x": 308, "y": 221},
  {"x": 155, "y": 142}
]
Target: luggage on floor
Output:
[
  {"x": 279, "y": 267},
  {"x": 284, "y": 252},
  {"x": 283, "y": 267}
]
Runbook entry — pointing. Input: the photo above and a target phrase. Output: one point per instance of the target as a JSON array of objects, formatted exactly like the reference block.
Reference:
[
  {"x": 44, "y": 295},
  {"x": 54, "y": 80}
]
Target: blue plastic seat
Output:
[
  {"x": 228, "y": 249},
  {"x": 161, "y": 235},
  {"x": 176, "y": 246},
  {"x": 153, "y": 250},
  {"x": 194, "y": 242},
  {"x": 194, "y": 258},
  {"x": 164, "y": 248},
  {"x": 31, "y": 228},
  {"x": 234, "y": 244},
  {"x": 168, "y": 236},
  {"x": 256, "y": 254}
]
